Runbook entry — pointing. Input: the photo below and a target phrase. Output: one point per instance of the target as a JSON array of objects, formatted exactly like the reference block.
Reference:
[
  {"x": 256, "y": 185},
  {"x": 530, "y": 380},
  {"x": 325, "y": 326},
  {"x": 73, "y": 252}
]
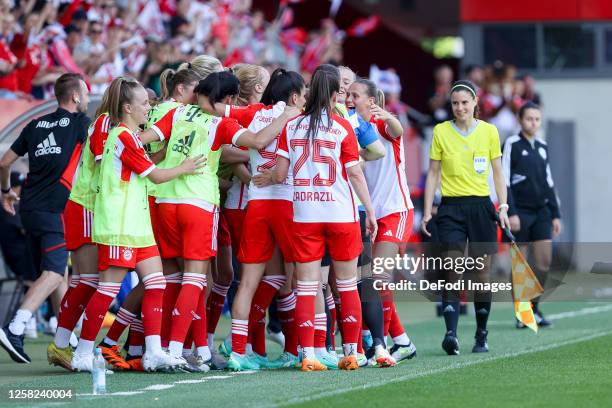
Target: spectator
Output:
[
  {"x": 529, "y": 93},
  {"x": 51, "y": 38},
  {"x": 475, "y": 73},
  {"x": 8, "y": 60},
  {"x": 497, "y": 103},
  {"x": 439, "y": 103}
]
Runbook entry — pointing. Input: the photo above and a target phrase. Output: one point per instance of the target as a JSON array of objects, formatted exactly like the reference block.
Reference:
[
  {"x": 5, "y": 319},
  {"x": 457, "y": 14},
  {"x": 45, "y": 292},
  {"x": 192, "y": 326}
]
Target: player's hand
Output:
[
  {"x": 515, "y": 223},
  {"x": 291, "y": 111},
  {"x": 371, "y": 226},
  {"x": 556, "y": 222},
  {"x": 263, "y": 179},
  {"x": 8, "y": 202},
  {"x": 380, "y": 113},
  {"x": 191, "y": 165},
  {"x": 424, "y": 221},
  {"x": 504, "y": 222}
]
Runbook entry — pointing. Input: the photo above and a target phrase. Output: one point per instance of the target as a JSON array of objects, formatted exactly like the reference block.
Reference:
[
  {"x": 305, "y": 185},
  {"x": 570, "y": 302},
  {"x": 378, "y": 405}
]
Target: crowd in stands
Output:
[
  {"x": 501, "y": 93},
  {"x": 104, "y": 39}
]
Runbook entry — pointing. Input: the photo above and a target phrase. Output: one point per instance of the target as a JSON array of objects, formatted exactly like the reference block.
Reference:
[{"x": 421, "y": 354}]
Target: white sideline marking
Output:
[
  {"x": 245, "y": 372},
  {"x": 190, "y": 381},
  {"x": 425, "y": 373},
  {"x": 111, "y": 394},
  {"x": 125, "y": 393},
  {"x": 219, "y": 377},
  {"x": 581, "y": 312},
  {"x": 158, "y": 387},
  {"x": 566, "y": 315}
]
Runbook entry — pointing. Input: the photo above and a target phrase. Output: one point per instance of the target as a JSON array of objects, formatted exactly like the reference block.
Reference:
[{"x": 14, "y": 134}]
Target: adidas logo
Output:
[
  {"x": 349, "y": 319},
  {"x": 183, "y": 145},
  {"x": 449, "y": 309},
  {"x": 307, "y": 323},
  {"x": 175, "y": 312},
  {"x": 195, "y": 316},
  {"x": 48, "y": 146},
  {"x": 388, "y": 233}
]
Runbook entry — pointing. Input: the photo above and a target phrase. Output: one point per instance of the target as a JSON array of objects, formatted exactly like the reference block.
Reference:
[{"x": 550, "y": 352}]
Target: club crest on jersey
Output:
[{"x": 127, "y": 254}]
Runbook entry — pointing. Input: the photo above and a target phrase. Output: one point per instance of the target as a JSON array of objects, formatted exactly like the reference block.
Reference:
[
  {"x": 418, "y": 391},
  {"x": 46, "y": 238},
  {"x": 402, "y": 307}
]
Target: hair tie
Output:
[
  {"x": 189, "y": 65},
  {"x": 463, "y": 86}
]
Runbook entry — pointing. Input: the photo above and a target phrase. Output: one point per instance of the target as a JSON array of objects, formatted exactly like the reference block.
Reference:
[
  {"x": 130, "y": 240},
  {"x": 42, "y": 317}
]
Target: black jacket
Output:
[
  {"x": 50, "y": 142},
  {"x": 528, "y": 177}
]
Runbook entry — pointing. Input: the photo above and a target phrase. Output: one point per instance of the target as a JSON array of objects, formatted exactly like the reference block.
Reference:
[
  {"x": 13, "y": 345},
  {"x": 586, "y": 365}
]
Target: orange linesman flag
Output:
[{"x": 525, "y": 287}]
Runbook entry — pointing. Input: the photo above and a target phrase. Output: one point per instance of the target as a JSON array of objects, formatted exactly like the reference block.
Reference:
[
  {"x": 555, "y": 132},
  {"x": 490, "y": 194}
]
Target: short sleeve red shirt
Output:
[
  {"x": 130, "y": 152},
  {"x": 244, "y": 114},
  {"x": 98, "y": 136}
]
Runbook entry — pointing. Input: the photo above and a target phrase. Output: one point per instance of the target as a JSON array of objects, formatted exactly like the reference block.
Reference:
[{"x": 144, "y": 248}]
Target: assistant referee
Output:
[
  {"x": 462, "y": 153},
  {"x": 52, "y": 145}
]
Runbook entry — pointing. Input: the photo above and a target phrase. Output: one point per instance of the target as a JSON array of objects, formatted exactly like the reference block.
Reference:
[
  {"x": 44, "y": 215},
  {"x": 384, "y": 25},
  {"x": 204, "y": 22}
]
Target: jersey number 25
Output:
[{"x": 317, "y": 157}]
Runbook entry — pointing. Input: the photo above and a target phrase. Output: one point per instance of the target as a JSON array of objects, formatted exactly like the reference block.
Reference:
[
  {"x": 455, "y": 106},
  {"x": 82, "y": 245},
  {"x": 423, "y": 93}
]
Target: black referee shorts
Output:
[
  {"x": 45, "y": 240},
  {"x": 536, "y": 225},
  {"x": 463, "y": 219}
]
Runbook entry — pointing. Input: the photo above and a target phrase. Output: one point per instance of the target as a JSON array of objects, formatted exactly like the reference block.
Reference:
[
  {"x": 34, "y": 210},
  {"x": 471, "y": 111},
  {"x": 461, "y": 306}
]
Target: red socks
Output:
[
  {"x": 152, "y": 303},
  {"x": 123, "y": 319},
  {"x": 173, "y": 288},
  {"x": 350, "y": 314},
  {"x": 214, "y": 306},
  {"x": 257, "y": 336},
  {"x": 305, "y": 312},
  {"x": 240, "y": 331},
  {"x": 75, "y": 301},
  {"x": 286, "y": 315},
  {"x": 199, "y": 325},
  {"x": 386, "y": 298},
  {"x": 320, "y": 330},
  {"x": 136, "y": 338},
  {"x": 97, "y": 307},
  {"x": 186, "y": 304},
  {"x": 264, "y": 294}
]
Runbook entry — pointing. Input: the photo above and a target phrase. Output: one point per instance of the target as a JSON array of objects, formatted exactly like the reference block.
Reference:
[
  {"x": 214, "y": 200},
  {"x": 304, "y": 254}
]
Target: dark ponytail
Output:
[
  {"x": 325, "y": 82},
  {"x": 281, "y": 86},
  {"x": 217, "y": 86}
]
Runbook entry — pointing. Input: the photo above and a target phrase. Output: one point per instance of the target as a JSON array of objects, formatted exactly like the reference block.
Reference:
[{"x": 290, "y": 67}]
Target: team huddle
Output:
[{"x": 287, "y": 178}]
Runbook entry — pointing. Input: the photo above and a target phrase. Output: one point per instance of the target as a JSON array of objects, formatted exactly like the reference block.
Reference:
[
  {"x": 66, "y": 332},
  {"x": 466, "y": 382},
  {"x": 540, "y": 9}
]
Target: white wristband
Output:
[{"x": 506, "y": 206}]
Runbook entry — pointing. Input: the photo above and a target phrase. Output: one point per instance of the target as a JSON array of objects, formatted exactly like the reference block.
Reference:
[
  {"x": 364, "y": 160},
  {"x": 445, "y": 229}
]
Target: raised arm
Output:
[
  {"x": 265, "y": 136},
  {"x": 394, "y": 127},
  {"x": 190, "y": 165}
]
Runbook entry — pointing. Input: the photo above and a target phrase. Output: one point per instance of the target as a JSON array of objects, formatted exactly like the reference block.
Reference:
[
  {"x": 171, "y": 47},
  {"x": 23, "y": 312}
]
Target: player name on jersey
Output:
[{"x": 313, "y": 196}]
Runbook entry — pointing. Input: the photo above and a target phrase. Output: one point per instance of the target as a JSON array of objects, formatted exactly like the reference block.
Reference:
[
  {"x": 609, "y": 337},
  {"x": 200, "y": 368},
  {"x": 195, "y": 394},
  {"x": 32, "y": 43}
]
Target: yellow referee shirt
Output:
[{"x": 465, "y": 160}]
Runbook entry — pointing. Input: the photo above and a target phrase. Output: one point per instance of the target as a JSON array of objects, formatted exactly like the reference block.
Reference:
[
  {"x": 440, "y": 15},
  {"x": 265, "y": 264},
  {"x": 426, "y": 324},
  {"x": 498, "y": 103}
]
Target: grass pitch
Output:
[{"x": 567, "y": 365}]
